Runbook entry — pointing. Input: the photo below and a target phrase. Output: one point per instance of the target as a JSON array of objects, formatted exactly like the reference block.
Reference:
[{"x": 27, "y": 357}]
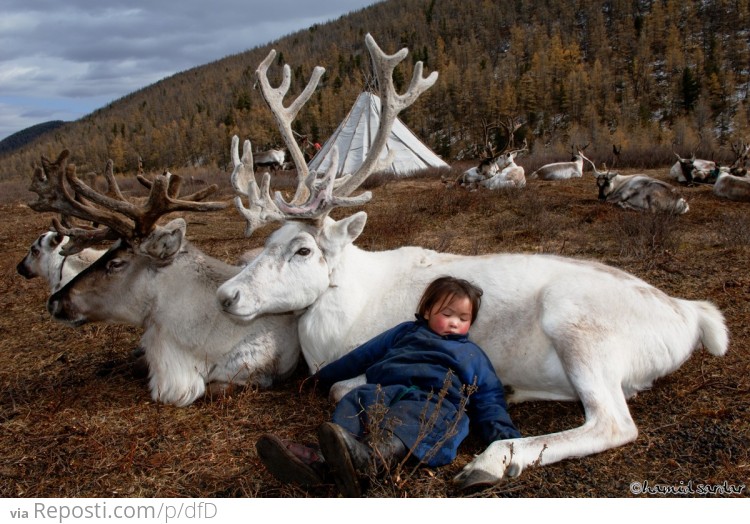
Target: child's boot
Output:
[
  {"x": 346, "y": 457},
  {"x": 290, "y": 462},
  {"x": 349, "y": 459}
]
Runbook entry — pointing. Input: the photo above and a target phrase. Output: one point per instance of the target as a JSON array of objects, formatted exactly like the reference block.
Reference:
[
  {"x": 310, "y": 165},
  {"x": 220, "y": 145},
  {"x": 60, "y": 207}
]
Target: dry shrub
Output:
[
  {"x": 529, "y": 216},
  {"x": 14, "y": 191},
  {"x": 735, "y": 230},
  {"x": 389, "y": 479},
  {"x": 647, "y": 235}
]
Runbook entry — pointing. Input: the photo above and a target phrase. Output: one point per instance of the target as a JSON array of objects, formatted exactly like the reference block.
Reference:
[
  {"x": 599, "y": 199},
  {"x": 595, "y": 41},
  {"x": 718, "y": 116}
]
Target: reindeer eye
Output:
[
  {"x": 115, "y": 264},
  {"x": 303, "y": 251},
  {"x": 35, "y": 251}
]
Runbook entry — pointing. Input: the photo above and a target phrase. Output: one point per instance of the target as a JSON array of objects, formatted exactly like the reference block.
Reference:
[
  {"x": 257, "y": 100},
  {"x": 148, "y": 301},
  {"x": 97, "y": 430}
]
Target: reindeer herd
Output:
[
  {"x": 555, "y": 328},
  {"x": 635, "y": 192}
]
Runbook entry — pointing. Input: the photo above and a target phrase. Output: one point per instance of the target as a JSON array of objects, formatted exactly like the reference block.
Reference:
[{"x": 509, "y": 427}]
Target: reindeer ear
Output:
[
  {"x": 165, "y": 241},
  {"x": 56, "y": 239},
  {"x": 336, "y": 235}
]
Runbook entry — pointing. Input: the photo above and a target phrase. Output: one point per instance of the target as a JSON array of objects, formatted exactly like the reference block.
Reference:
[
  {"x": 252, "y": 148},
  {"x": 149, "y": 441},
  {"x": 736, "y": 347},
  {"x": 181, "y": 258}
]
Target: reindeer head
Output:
[
  {"x": 297, "y": 263},
  {"x": 38, "y": 259},
  {"x": 604, "y": 183},
  {"x": 139, "y": 238}
]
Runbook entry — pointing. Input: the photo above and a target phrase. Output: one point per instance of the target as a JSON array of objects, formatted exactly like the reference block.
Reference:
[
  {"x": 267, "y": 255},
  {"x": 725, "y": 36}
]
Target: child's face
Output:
[{"x": 451, "y": 318}]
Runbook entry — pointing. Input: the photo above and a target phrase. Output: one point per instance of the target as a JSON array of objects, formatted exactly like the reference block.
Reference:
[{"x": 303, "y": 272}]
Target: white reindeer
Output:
[
  {"x": 555, "y": 328},
  {"x": 155, "y": 279},
  {"x": 499, "y": 170},
  {"x": 510, "y": 174},
  {"x": 691, "y": 170},
  {"x": 639, "y": 192},
  {"x": 272, "y": 159},
  {"x": 45, "y": 260},
  {"x": 562, "y": 170},
  {"x": 471, "y": 178}
]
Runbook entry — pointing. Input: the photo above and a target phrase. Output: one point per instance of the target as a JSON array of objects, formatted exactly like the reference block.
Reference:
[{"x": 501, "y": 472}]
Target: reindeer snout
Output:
[
  {"x": 228, "y": 301},
  {"x": 23, "y": 270}
]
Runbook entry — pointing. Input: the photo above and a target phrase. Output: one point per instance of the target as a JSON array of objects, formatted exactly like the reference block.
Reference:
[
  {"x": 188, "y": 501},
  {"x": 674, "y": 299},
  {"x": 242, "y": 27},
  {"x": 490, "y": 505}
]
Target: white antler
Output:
[
  {"x": 314, "y": 197},
  {"x": 262, "y": 209},
  {"x": 391, "y": 105},
  {"x": 284, "y": 116}
]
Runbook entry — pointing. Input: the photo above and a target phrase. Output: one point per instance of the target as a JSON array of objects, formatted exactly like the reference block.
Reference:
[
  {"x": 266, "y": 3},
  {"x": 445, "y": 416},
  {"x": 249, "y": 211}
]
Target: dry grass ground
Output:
[{"x": 75, "y": 422}]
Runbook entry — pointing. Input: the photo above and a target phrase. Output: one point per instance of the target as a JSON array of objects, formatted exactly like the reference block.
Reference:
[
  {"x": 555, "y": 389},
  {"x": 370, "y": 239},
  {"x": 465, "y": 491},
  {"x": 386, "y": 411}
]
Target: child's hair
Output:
[{"x": 444, "y": 289}]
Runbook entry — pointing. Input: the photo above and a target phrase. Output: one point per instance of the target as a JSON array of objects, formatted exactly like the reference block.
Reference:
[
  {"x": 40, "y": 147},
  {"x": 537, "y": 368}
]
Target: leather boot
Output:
[
  {"x": 346, "y": 457},
  {"x": 388, "y": 452},
  {"x": 290, "y": 462},
  {"x": 349, "y": 459}
]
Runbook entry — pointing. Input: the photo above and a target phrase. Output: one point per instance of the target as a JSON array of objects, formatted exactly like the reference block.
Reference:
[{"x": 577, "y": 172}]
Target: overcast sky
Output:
[{"x": 63, "y": 59}]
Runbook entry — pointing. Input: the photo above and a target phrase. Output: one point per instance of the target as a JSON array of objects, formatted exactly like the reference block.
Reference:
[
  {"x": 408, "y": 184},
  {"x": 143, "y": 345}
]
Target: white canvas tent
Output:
[{"x": 356, "y": 133}]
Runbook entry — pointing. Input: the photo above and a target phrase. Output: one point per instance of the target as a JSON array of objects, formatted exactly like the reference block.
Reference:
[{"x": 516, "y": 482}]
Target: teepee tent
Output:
[{"x": 355, "y": 135}]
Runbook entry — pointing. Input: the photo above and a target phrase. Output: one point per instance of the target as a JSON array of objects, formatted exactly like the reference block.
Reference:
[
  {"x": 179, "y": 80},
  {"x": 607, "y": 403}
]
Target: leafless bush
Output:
[
  {"x": 735, "y": 230},
  {"x": 14, "y": 191},
  {"x": 647, "y": 235}
]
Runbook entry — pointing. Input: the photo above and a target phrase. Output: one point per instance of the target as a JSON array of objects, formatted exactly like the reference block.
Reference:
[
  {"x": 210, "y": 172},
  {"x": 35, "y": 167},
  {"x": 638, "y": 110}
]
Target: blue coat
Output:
[{"x": 406, "y": 368}]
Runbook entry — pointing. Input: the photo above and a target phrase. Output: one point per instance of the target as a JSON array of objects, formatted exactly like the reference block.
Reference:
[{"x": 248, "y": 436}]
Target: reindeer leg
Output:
[{"x": 608, "y": 423}]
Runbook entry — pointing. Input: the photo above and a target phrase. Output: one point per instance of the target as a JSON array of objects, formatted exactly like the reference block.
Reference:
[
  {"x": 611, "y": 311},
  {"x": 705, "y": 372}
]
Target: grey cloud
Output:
[{"x": 89, "y": 48}]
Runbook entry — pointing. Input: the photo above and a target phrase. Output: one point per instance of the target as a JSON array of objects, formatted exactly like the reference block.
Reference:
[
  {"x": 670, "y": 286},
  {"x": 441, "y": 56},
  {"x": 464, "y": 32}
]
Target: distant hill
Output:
[
  {"x": 28, "y": 135},
  {"x": 652, "y": 77}
]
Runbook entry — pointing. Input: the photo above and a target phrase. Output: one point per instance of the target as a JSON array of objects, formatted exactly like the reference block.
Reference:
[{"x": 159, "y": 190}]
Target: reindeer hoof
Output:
[{"x": 475, "y": 478}]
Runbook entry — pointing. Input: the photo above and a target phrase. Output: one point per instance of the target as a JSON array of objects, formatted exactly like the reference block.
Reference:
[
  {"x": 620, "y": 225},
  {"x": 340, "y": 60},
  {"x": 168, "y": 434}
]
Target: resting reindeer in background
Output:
[
  {"x": 691, "y": 170},
  {"x": 154, "y": 278},
  {"x": 510, "y": 174},
  {"x": 563, "y": 170},
  {"x": 735, "y": 184},
  {"x": 638, "y": 192},
  {"x": 546, "y": 323},
  {"x": 498, "y": 170},
  {"x": 733, "y": 187},
  {"x": 487, "y": 168},
  {"x": 272, "y": 159},
  {"x": 45, "y": 260}
]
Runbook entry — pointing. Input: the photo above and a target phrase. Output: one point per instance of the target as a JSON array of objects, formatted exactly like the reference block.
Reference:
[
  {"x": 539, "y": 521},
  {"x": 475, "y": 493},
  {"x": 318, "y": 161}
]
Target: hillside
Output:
[
  {"x": 27, "y": 136},
  {"x": 650, "y": 76}
]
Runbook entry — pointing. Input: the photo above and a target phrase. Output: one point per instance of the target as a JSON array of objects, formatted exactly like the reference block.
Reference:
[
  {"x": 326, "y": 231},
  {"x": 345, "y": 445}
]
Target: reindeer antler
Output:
[
  {"x": 263, "y": 209},
  {"x": 741, "y": 152},
  {"x": 315, "y": 198},
  {"x": 284, "y": 116},
  {"x": 120, "y": 218},
  {"x": 392, "y": 104},
  {"x": 54, "y": 195},
  {"x": 511, "y": 125}
]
